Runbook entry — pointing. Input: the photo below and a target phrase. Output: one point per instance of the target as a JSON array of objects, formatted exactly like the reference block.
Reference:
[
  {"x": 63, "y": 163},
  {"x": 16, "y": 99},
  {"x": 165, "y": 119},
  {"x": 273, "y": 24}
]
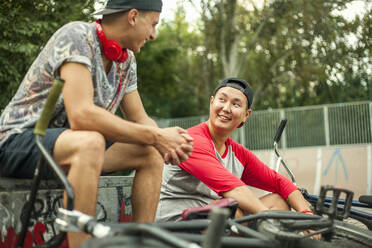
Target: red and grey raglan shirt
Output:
[{"x": 206, "y": 175}]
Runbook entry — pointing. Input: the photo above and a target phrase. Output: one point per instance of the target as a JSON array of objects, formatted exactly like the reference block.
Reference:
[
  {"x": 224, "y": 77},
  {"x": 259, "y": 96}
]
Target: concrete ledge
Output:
[
  {"x": 113, "y": 205},
  {"x": 14, "y": 184}
]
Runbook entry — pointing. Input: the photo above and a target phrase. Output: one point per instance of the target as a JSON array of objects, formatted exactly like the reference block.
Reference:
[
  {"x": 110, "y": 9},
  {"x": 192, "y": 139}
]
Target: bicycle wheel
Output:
[
  {"x": 348, "y": 235},
  {"x": 341, "y": 234},
  {"x": 355, "y": 222}
]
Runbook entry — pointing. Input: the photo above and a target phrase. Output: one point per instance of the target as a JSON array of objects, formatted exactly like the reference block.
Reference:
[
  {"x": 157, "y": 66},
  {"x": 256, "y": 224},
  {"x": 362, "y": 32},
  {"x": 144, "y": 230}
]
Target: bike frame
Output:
[
  {"x": 263, "y": 235},
  {"x": 364, "y": 217},
  {"x": 39, "y": 131},
  {"x": 216, "y": 225}
]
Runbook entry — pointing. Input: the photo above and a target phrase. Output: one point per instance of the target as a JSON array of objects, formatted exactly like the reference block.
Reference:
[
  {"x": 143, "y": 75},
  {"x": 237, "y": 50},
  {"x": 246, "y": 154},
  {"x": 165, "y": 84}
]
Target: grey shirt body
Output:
[{"x": 181, "y": 190}]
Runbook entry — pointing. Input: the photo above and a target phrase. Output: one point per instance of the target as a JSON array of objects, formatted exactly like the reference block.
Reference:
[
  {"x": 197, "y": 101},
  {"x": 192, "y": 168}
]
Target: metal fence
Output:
[{"x": 323, "y": 125}]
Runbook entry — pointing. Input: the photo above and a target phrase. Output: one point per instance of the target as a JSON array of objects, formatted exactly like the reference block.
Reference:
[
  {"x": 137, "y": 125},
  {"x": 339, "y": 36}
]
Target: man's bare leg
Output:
[
  {"x": 82, "y": 154},
  {"x": 148, "y": 164}
]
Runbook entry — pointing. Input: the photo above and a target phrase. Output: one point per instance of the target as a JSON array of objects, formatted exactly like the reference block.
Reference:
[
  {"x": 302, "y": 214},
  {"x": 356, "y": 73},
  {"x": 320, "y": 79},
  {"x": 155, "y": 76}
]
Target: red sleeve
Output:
[
  {"x": 204, "y": 165},
  {"x": 259, "y": 175}
]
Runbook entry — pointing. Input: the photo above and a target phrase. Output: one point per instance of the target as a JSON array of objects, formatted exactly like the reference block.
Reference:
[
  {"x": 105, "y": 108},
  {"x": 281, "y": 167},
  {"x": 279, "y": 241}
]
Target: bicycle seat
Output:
[
  {"x": 202, "y": 212},
  {"x": 367, "y": 199}
]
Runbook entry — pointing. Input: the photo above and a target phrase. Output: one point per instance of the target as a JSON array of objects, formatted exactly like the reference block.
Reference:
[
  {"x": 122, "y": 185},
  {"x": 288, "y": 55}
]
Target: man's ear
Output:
[
  {"x": 247, "y": 114},
  {"x": 132, "y": 16},
  {"x": 211, "y": 100}
]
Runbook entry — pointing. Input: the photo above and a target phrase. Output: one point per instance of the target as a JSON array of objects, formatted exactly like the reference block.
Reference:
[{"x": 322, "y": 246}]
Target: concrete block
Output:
[{"x": 113, "y": 205}]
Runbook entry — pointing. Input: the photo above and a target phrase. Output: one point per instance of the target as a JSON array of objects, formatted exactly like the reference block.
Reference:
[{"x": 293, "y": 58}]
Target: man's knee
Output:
[
  {"x": 130, "y": 156},
  {"x": 80, "y": 147},
  {"x": 91, "y": 152},
  {"x": 93, "y": 141},
  {"x": 152, "y": 158},
  {"x": 92, "y": 144}
]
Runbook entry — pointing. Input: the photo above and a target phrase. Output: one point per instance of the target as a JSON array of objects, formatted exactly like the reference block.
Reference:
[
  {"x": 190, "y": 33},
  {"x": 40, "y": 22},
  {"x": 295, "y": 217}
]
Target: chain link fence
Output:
[{"x": 323, "y": 125}]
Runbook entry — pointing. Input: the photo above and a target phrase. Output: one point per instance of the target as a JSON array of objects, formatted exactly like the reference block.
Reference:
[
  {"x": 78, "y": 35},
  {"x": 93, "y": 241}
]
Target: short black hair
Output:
[{"x": 239, "y": 84}]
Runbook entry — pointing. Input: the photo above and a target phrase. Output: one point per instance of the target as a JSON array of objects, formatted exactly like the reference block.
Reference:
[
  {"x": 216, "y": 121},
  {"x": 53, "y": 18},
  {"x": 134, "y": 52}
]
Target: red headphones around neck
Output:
[{"x": 111, "y": 48}]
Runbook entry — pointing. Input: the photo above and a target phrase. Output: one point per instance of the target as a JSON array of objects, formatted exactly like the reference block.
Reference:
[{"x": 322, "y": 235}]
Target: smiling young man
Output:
[
  {"x": 86, "y": 138},
  {"x": 220, "y": 167}
]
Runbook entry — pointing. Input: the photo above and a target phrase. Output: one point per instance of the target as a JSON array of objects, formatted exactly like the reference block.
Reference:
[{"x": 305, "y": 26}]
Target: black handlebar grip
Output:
[
  {"x": 46, "y": 114},
  {"x": 216, "y": 228},
  {"x": 280, "y": 130},
  {"x": 366, "y": 199}
]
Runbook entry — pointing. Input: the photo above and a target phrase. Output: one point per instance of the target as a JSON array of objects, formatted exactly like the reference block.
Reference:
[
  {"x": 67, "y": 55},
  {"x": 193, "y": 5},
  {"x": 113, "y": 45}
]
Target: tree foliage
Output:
[
  {"x": 168, "y": 71},
  {"x": 307, "y": 48},
  {"x": 293, "y": 52},
  {"x": 25, "y": 27}
]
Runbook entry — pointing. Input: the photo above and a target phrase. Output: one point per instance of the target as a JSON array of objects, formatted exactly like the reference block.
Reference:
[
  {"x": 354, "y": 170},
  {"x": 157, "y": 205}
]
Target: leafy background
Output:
[{"x": 293, "y": 52}]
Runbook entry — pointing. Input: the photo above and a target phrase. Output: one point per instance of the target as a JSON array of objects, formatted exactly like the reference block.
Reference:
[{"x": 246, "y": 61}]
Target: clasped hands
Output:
[{"x": 174, "y": 144}]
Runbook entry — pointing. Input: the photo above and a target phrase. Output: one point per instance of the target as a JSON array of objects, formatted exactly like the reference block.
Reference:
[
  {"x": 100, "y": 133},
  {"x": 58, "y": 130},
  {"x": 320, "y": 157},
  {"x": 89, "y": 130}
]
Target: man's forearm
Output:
[
  {"x": 297, "y": 201},
  {"x": 147, "y": 121},
  {"x": 247, "y": 201},
  {"x": 112, "y": 127}
]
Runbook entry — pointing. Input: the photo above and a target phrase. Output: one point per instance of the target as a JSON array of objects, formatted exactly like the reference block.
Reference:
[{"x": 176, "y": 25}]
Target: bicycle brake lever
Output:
[
  {"x": 75, "y": 221},
  {"x": 71, "y": 221}
]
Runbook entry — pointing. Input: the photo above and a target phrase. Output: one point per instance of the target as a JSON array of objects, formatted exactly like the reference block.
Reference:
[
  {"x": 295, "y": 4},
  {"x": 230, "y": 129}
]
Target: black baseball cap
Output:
[
  {"x": 238, "y": 84},
  {"x": 115, "y": 6}
]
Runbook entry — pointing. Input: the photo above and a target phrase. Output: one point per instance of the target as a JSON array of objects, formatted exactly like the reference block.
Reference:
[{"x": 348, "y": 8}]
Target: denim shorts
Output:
[{"x": 19, "y": 155}]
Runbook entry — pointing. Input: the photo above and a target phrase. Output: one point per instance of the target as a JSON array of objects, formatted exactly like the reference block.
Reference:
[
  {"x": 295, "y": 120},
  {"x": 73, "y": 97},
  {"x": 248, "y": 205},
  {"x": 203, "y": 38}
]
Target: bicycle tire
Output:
[
  {"x": 343, "y": 235},
  {"x": 347, "y": 235}
]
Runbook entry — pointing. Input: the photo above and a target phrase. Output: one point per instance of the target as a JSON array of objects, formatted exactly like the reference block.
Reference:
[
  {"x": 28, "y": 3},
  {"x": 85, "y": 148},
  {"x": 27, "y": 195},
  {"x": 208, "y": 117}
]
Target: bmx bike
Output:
[{"x": 265, "y": 229}]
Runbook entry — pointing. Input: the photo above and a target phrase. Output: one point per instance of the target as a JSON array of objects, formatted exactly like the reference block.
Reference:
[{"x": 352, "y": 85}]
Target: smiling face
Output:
[
  {"x": 228, "y": 109},
  {"x": 132, "y": 28},
  {"x": 143, "y": 28}
]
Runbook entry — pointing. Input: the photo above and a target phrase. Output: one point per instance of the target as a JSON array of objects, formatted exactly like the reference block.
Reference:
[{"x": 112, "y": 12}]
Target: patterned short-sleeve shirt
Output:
[{"x": 74, "y": 42}]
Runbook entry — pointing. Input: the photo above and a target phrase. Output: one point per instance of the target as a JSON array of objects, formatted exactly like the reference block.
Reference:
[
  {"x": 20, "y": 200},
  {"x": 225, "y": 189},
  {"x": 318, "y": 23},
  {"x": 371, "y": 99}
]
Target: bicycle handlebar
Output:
[
  {"x": 75, "y": 221},
  {"x": 40, "y": 131},
  {"x": 218, "y": 217},
  {"x": 46, "y": 114},
  {"x": 280, "y": 130}
]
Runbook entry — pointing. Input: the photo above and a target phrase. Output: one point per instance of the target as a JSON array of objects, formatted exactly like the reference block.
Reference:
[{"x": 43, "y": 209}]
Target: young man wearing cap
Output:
[
  {"x": 86, "y": 138},
  {"x": 220, "y": 167}
]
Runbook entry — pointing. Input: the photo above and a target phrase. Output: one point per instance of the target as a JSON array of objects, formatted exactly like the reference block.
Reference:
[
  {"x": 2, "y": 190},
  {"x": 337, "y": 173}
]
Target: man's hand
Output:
[
  {"x": 316, "y": 236},
  {"x": 174, "y": 144}
]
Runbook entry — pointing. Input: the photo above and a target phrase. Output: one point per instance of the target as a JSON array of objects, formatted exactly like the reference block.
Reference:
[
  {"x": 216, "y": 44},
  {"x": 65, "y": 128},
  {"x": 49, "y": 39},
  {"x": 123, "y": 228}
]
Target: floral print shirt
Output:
[{"x": 74, "y": 42}]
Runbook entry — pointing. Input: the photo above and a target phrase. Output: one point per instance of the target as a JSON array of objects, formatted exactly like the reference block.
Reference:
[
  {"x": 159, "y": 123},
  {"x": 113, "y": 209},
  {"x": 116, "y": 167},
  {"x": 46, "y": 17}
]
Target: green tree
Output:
[
  {"x": 168, "y": 73},
  {"x": 306, "y": 57},
  {"x": 294, "y": 53},
  {"x": 25, "y": 28}
]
